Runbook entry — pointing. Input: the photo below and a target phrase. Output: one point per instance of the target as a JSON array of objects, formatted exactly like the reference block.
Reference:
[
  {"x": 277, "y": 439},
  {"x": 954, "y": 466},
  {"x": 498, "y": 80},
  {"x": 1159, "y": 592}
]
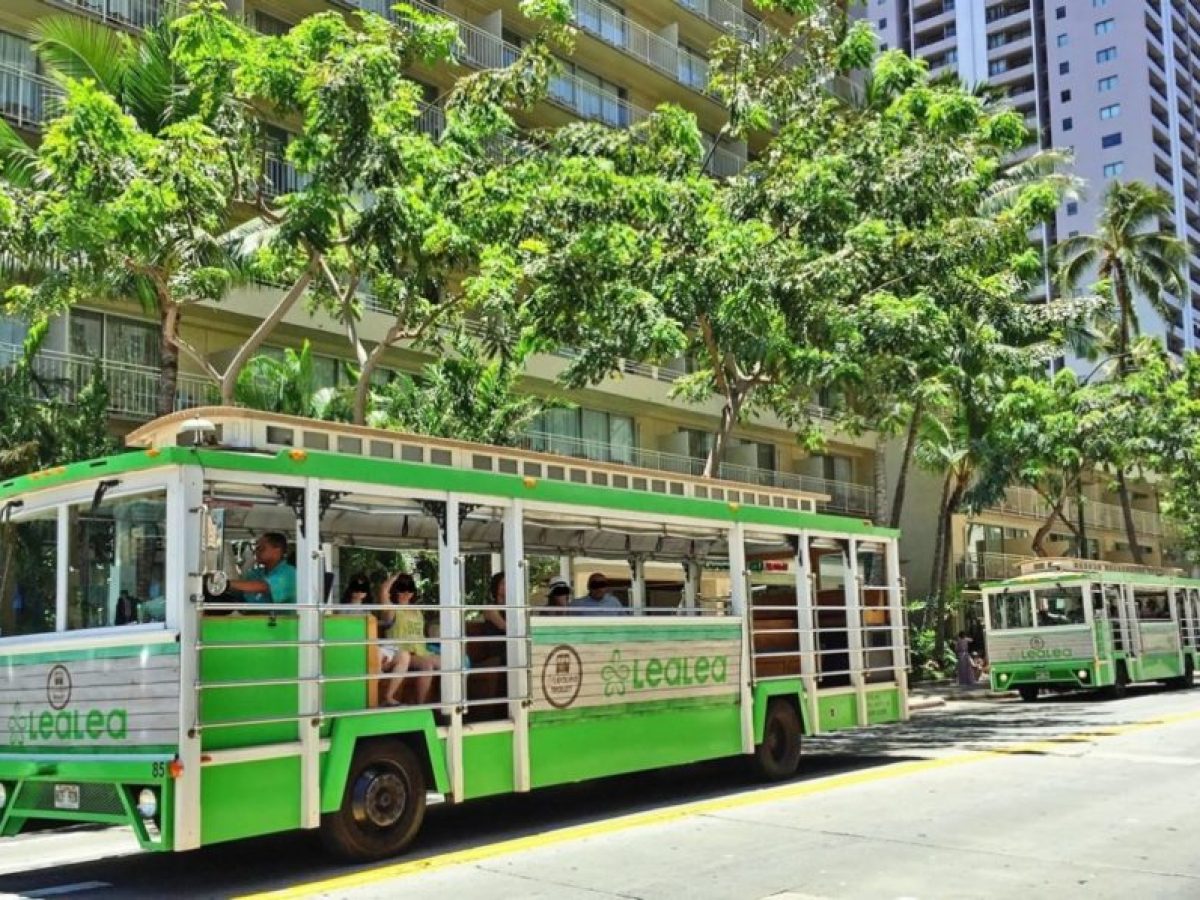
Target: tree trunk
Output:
[
  {"x": 910, "y": 443},
  {"x": 935, "y": 574},
  {"x": 265, "y": 327},
  {"x": 168, "y": 377},
  {"x": 1079, "y": 510},
  {"x": 880, "y": 481},
  {"x": 1135, "y": 545},
  {"x": 1039, "y": 537},
  {"x": 942, "y": 588},
  {"x": 729, "y": 417},
  {"x": 362, "y": 390}
]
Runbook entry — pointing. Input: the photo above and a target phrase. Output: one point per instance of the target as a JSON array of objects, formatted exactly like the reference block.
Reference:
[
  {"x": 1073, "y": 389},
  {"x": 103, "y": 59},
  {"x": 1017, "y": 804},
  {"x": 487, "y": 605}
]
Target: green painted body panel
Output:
[
  {"x": 488, "y": 764},
  {"x": 1052, "y": 579},
  {"x": 883, "y": 705},
  {"x": 636, "y": 738},
  {"x": 246, "y": 799},
  {"x": 257, "y": 663},
  {"x": 618, "y": 629},
  {"x": 837, "y": 711},
  {"x": 1154, "y": 666}
]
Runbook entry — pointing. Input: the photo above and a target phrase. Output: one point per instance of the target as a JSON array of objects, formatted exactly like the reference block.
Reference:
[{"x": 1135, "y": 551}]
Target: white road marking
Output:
[{"x": 77, "y": 888}]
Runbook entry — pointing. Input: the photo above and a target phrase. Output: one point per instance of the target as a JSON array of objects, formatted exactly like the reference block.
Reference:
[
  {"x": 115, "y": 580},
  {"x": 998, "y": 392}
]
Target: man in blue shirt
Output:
[
  {"x": 597, "y": 601},
  {"x": 273, "y": 578}
]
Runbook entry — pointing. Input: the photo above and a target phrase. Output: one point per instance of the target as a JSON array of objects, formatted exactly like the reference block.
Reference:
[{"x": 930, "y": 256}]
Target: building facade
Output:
[{"x": 1114, "y": 81}]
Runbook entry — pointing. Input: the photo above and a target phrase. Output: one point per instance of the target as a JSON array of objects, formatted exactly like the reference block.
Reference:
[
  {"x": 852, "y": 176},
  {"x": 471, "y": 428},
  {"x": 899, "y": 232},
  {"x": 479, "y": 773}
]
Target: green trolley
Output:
[
  {"x": 137, "y": 688},
  {"x": 1068, "y": 624}
]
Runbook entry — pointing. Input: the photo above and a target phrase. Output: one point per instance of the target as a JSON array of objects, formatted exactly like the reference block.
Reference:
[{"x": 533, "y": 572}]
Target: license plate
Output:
[
  {"x": 1042, "y": 675},
  {"x": 66, "y": 796}
]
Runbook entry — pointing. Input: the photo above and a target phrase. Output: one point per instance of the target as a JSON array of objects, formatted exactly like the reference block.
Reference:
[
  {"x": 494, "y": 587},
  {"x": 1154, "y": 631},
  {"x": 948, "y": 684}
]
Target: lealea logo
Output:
[
  {"x": 58, "y": 723},
  {"x": 562, "y": 676},
  {"x": 622, "y": 676},
  {"x": 1038, "y": 651}
]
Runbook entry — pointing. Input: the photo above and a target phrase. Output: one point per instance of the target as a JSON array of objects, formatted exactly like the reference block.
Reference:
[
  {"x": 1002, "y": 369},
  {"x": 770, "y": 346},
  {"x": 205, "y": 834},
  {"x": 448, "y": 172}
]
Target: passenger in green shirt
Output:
[{"x": 273, "y": 578}]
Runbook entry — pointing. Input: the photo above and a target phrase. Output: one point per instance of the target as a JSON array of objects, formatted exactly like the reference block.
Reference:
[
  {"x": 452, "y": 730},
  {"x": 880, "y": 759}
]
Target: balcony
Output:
[
  {"x": 128, "y": 13},
  {"x": 132, "y": 389},
  {"x": 640, "y": 42},
  {"x": 976, "y": 567},
  {"x": 728, "y": 17},
  {"x": 1027, "y": 503},
  {"x": 845, "y": 498},
  {"x": 26, "y": 98}
]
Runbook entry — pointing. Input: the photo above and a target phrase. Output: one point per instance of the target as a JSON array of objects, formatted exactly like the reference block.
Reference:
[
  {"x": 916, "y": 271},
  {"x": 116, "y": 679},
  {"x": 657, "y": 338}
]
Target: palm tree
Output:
[
  {"x": 288, "y": 384},
  {"x": 1133, "y": 255}
]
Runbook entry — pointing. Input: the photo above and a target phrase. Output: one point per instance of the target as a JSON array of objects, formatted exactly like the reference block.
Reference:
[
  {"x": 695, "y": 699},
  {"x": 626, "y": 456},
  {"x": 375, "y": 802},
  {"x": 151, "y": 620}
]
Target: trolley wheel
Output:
[
  {"x": 1028, "y": 692},
  {"x": 778, "y": 756},
  {"x": 383, "y": 805}
]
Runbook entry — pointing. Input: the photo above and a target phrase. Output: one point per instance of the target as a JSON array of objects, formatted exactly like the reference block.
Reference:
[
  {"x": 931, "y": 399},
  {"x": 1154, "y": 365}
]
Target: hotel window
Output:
[
  {"x": 1108, "y": 54},
  {"x": 1111, "y": 140},
  {"x": 1105, "y": 26},
  {"x": 1111, "y": 111},
  {"x": 1107, "y": 83},
  {"x": 1113, "y": 169},
  {"x": 1061, "y": 41},
  {"x": 605, "y": 19}
]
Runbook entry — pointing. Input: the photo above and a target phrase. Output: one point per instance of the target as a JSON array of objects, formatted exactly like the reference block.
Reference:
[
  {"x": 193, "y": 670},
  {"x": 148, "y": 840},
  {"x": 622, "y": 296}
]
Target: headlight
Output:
[
  {"x": 1004, "y": 676},
  {"x": 147, "y": 805},
  {"x": 3, "y": 795},
  {"x": 1083, "y": 674}
]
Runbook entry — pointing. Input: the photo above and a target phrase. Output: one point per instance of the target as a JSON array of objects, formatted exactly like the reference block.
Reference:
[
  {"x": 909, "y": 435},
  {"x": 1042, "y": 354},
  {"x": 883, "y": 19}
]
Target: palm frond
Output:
[
  {"x": 78, "y": 48},
  {"x": 18, "y": 161}
]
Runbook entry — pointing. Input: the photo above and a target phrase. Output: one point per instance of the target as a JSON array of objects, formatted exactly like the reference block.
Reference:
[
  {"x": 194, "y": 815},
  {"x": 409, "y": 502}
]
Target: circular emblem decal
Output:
[
  {"x": 58, "y": 687},
  {"x": 1036, "y": 643},
  {"x": 562, "y": 676}
]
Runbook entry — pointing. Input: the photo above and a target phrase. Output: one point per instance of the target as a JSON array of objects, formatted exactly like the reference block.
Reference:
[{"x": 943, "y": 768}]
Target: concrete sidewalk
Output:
[{"x": 930, "y": 694}]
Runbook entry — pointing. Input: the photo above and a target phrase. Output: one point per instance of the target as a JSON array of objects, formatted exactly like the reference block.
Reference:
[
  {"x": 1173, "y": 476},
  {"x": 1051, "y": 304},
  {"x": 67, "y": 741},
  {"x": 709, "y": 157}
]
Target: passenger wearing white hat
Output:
[{"x": 557, "y": 597}]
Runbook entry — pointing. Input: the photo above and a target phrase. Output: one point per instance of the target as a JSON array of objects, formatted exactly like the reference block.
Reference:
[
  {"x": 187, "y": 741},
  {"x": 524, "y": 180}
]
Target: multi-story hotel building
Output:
[{"x": 627, "y": 59}]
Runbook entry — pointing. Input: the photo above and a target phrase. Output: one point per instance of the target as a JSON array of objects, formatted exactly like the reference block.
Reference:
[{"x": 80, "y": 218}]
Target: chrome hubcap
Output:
[{"x": 380, "y": 797}]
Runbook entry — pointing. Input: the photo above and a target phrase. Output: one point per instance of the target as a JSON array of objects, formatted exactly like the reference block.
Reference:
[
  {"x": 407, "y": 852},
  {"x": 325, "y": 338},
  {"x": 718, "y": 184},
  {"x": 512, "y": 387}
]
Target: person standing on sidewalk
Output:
[{"x": 966, "y": 667}]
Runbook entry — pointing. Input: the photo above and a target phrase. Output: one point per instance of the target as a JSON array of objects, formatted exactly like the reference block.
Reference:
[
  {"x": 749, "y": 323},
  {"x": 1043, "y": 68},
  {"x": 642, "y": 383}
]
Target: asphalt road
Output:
[{"x": 1073, "y": 797}]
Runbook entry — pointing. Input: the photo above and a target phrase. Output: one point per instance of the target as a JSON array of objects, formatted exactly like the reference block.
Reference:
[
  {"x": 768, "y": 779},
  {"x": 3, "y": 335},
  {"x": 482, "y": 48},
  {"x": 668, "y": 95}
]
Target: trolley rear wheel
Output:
[
  {"x": 383, "y": 805},
  {"x": 778, "y": 756}
]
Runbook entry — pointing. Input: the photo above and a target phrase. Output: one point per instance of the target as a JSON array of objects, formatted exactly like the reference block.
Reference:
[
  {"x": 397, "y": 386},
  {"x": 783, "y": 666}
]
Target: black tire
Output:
[
  {"x": 383, "y": 805},
  {"x": 778, "y": 756},
  {"x": 1029, "y": 692}
]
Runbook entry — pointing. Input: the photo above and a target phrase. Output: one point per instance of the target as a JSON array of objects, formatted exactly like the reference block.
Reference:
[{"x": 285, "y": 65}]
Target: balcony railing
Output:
[
  {"x": 26, "y": 98},
  {"x": 844, "y": 497},
  {"x": 132, "y": 389},
  {"x": 987, "y": 566},
  {"x": 130, "y": 13},
  {"x": 728, "y": 17},
  {"x": 481, "y": 49},
  {"x": 1026, "y": 502},
  {"x": 612, "y": 27}
]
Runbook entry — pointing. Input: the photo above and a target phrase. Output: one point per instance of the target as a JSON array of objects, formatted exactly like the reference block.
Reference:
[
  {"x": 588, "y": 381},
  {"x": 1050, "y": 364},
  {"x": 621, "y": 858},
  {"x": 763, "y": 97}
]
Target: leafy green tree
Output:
[
  {"x": 418, "y": 222},
  {"x": 47, "y": 423},
  {"x": 1133, "y": 256},
  {"x": 465, "y": 396},
  {"x": 131, "y": 188}
]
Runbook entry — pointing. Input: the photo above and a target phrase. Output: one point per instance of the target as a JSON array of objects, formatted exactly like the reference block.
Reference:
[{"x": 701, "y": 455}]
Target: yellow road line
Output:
[{"x": 698, "y": 808}]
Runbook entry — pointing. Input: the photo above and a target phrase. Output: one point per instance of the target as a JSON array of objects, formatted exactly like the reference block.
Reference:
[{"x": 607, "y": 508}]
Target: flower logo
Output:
[{"x": 615, "y": 674}]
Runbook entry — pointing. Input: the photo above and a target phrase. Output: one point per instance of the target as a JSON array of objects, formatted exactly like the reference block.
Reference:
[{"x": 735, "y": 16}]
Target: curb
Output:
[{"x": 926, "y": 702}]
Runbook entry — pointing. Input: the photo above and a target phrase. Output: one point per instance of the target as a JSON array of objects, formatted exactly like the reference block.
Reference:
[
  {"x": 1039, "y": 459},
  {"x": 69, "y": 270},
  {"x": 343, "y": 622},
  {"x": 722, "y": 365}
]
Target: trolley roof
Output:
[
  {"x": 240, "y": 439},
  {"x": 1059, "y": 570}
]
